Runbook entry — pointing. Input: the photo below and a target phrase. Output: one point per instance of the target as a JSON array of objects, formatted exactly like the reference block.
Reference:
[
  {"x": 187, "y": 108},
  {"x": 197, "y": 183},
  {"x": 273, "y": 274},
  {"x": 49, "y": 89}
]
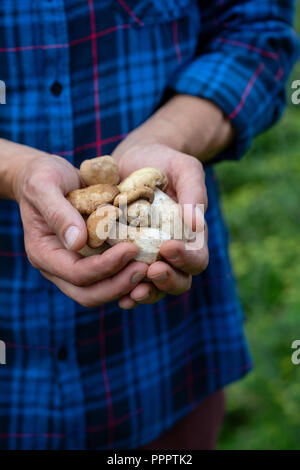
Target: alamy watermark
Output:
[
  {"x": 296, "y": 94},
  {"x": 2, "y": 92},
  {"x": 2, "y": 352},
  {"x": 150, "y": 225},
  {"x": 295, "y": 358}
]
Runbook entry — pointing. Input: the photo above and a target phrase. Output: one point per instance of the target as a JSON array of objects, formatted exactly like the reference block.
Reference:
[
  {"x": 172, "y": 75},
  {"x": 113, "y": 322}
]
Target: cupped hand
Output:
[
  {"x": 54, "y": 231},
  {"x": 173, "y": 274}
]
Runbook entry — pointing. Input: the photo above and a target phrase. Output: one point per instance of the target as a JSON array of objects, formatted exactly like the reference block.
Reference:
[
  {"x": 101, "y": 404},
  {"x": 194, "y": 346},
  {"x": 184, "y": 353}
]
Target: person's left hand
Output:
[{"x": 186, "y": 186}]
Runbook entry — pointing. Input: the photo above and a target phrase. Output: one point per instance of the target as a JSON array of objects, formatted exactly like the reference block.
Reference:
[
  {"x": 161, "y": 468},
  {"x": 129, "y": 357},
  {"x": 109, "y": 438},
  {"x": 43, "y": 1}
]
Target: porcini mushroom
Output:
[
  {"x": 166, "y": 214},
  {"x": 100, "y": 223},
  {"x": 147, "y": 239},
  {"x": 152, "y": 217},
  {"x": 87, "y": 200},
  {"x": 140, "y": 185},
  {"x": 102, "y": 170}
]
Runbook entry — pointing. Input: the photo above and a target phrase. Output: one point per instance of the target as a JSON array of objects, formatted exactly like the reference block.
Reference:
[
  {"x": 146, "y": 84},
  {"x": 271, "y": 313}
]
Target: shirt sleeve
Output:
[{"x": 246, "y": 51}]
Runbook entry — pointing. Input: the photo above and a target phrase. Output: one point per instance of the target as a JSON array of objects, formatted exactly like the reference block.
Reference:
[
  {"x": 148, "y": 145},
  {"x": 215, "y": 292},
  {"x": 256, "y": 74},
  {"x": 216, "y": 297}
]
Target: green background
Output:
[{"x": 261, "y": 201}]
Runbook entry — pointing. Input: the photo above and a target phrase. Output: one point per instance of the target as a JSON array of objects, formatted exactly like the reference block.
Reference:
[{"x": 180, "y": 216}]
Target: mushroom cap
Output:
[
  {"x": 132, "y": 195},
  {"x": 102, "y": 170},
  {"x": 150, "y": 177},
  {"x": 87, "y": 200}
]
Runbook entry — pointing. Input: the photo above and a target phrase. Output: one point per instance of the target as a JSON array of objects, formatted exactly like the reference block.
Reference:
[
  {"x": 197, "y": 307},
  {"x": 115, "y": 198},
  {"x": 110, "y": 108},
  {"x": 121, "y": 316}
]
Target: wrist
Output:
[
  {"x": 156, "y": 131},
  {"x": 200, "y": 126},
  {"x": 188, "y": 124},
  {"x": 13, "y": 160}
]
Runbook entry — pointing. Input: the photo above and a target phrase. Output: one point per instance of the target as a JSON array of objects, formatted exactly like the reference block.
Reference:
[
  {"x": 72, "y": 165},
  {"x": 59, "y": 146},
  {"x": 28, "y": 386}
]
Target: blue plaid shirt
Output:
[{"x": 80, "y": 378}]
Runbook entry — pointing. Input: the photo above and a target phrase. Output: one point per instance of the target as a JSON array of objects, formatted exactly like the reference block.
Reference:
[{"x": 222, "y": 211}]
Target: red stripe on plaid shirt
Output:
[
  {"x": 271, "y": 55},
  {"x": 189, "y": 370},
  {"x": 33, "y": 47},
  {"x": 118, "y": 421},
  {"x": 71, "y": 43},
  {"x": 247, "y": 92},
  {"x": 110, "y": 412},
  {"x": 99, "y": 34},
  {"x": 89, "y": 145},
  {"x": 21, "y": 434},
  {"x": 176, "y": 41},
  {"x": 130, "y": 12},
  {"x": 89, "y": 429},
  {"x": 279, "y": 74},
  {"x": 96, "y": 77},
  {"x": 117, "y": 330}
]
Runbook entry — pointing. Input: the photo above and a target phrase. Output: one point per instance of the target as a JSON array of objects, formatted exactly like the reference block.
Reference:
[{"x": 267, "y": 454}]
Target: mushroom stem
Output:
[
  {"x": 147, "y": 239},
  {"x": 166, "y": 214},
  {"x": 132, "y": 195},
  {"x": 141, "y": 184}
]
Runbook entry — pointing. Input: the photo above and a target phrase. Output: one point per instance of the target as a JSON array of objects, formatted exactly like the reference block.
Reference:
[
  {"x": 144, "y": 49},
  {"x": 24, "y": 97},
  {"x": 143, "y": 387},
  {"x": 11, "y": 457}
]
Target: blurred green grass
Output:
[{"x": 261, "y": 201}]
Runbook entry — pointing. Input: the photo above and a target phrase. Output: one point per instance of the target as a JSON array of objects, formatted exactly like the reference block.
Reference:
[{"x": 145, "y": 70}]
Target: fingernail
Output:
[
  {"x": 128, "y": 257},
  {"x": 71, "y": 236},
  {"x": 137, "y": 277},
  {"x": 173, "y": 256},
  {"x": 127, "y": 306},
  {"x": 140, "y": 299},
  {"x": 161, "y": 277},
  {"x": 199, "y": 219}
]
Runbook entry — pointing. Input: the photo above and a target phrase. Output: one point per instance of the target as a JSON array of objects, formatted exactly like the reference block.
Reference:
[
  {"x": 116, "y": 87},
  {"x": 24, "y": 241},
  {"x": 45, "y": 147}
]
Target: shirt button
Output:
[
  {"x": 56, "y": 88},
  {"x": 62, "y": 353}
]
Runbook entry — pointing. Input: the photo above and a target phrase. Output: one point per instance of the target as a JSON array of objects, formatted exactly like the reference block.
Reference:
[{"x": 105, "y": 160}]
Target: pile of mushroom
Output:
[{"x": 136, "y": 210}]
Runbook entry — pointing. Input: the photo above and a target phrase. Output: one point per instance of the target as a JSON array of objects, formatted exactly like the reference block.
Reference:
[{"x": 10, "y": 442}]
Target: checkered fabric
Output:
[{"x": 105, "y": 378}]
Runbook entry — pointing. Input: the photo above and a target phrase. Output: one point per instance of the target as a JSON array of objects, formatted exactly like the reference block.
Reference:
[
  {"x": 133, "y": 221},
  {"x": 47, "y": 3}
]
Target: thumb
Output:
[
  {"x": 191, "y": 194},
  {"x": 64, "y": 220}
]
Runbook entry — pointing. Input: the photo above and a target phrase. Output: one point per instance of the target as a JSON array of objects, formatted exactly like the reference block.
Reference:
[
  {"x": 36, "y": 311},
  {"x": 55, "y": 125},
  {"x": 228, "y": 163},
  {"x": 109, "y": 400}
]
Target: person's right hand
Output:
[{"x": 52, "y": 227}]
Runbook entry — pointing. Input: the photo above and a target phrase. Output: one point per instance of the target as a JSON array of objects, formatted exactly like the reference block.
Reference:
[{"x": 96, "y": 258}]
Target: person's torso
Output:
[{"x": 80, "y": 75}]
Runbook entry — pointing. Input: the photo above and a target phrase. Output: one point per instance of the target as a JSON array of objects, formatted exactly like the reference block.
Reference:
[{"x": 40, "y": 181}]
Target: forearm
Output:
[
  {"x": 188, "y": 124},
  {"x": 13, "y": 158},
  {"x": 7, "y": 162}
]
